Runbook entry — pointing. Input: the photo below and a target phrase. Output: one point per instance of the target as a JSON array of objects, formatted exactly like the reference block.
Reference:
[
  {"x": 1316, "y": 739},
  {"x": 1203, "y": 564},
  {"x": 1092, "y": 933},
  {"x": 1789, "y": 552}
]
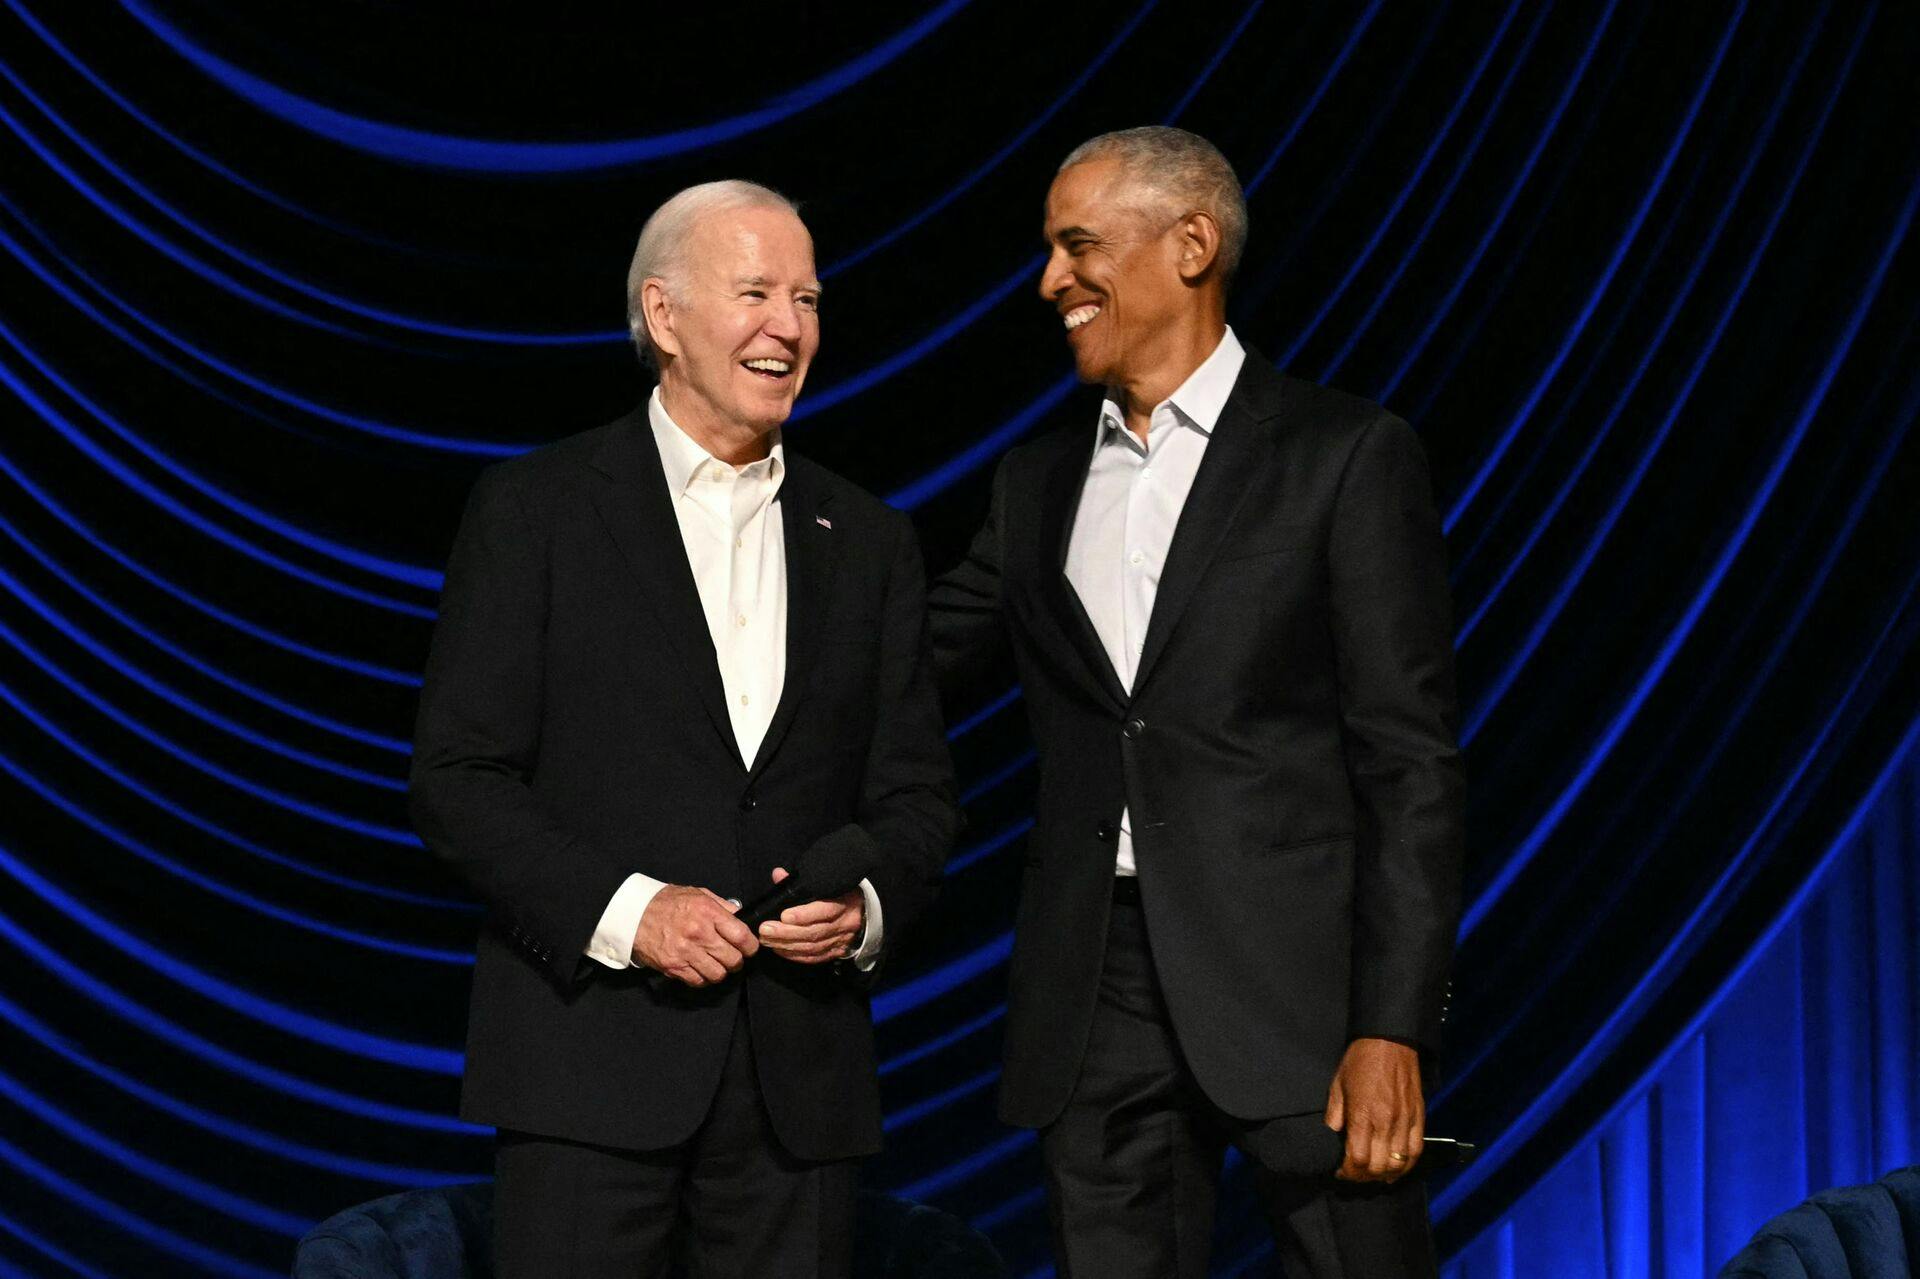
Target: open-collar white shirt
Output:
[
  {"x": 730, "y": 526},
  {"x": 1129, "y": 506}
]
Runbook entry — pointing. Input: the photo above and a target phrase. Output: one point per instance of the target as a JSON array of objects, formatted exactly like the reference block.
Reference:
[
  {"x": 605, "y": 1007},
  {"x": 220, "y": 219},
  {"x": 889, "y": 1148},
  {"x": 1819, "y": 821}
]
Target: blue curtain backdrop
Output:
[{"x": 276, "y": 281}]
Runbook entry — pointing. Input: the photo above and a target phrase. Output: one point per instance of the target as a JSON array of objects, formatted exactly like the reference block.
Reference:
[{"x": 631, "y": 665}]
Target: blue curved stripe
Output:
[
  {"x": 188, "y": 1187},
  {"x": 1299, "y": 122},
  {"x": 1399, "y": 201},
  {"x": 981, "y": 451},
  {"x": 384, "y": 674},
  {"x": 999, "y": 157},
  {"x": 184, "y": 814},
  {"x": 291, "y": 1021},
  {"x": 206, "y": 883},
  {"x": 158, "y": 641},
  {"x": 1686, "y": 936},
  {"x": 193, "y": 519},
  {"x": 1440, "y": 202},
  {"x": 325, "y": 412},
  {"x": 411, "y": 574},
  {"x": 1501, "y": 1148},
  {"x": 160, "y": 244},
  {"x": 240, "y": 1134},
  {"x": 352, "y": 306},
  {"x": 1681, "y": 294},
  {"x": 951, "y": 975},
  {"x": 1548, "y": 616},
  {"x": 1012, "y": 768},
  {"x": 946, "y": 1039},
  {"x": 212, "y": 1260},
  {"x": 905, "y": 1115},
  {"x": 46, "y": 1248},
  {"x": 984, "y": 714},
  {"x": 173, "y": 697},
  {"x": 491, "y": 156},
  {"x": 289, "y": 1085},
  {"x": 1505, "y": 438},
  {"x": 200, "y": 763},
  {"x": 868, "y": 378},
  {"x": 180, "y": 144},
  {"x": 988, "y": 847},
  {"x": 1570, "y": 84},
  {"x": 955, "y": 1173},
  {"x": 1512, "y": 866}
]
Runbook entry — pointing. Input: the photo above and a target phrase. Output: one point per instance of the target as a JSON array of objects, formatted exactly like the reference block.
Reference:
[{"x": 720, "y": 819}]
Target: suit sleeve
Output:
[
  {"x": 971, "y": 654},
  {"x": 907, "y": 815},
  {"x": 1391, "y": 617},
  {"x": 477, "y": 737}
]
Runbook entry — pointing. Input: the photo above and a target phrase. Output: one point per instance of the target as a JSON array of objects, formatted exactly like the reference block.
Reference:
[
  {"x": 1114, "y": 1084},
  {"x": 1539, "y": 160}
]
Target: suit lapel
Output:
[
  {"x": 1059, "y": 509},
  {"x": 812, "y": 557},
  {"x": 638, "y": 513},
  {"x": 1219, "y": 488}
]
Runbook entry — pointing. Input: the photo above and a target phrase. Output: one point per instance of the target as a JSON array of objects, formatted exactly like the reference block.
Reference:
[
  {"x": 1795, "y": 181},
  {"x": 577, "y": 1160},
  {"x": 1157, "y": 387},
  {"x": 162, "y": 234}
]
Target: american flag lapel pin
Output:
[{"x": 823, "y": 522}]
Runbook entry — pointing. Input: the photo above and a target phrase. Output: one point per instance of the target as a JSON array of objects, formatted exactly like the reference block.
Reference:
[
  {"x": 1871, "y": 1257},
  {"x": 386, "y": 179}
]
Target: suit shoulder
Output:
[
  {"x": 850, "y": 501},
  {"x": 540, "y": 474},
  {"x": 1333, "y": 412}
]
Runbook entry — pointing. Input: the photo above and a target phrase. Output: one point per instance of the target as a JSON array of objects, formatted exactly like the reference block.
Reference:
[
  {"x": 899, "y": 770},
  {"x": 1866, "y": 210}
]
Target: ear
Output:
[
  {"x": 1198, "y": 245},
  {"x": 656, "y": 312}
]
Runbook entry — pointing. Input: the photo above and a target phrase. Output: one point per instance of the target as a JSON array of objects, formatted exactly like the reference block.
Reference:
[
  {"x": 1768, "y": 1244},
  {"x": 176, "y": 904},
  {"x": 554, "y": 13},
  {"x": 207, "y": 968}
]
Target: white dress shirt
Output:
[
  {"x": 1128, "y": 509},
  {"x": 730, "y": 525}
]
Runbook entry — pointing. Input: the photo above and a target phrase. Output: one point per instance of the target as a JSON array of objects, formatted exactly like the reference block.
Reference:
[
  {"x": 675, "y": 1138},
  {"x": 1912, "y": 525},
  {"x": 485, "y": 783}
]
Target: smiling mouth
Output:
[
  {"x": 1079, "y": 316},
  {"x": 770, "y": 369}
]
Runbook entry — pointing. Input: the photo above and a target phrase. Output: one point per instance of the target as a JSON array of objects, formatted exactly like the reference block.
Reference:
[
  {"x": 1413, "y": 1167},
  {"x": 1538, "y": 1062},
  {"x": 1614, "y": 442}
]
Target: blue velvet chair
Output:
[
  {"x": 443, "y": 1234},
  {"x": 1856, "y": 1232}
]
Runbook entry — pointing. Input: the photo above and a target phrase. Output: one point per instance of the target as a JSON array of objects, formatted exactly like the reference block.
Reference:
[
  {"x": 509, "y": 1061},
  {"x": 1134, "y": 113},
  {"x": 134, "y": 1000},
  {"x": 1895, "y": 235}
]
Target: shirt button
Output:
[
  {"x": 741, "y": 620},
  {"x": 743, "y": 699},
  {"x": 1146, "y": 470},
  {"x": 739, "y": 542},
  {"x": 1137, "y": 558}
]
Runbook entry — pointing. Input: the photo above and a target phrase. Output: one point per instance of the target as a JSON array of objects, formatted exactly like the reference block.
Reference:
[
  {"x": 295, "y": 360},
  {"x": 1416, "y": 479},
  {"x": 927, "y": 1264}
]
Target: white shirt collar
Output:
[
  {"x": 1201, "y": 398},
  {"x": 683, "y": 460}
]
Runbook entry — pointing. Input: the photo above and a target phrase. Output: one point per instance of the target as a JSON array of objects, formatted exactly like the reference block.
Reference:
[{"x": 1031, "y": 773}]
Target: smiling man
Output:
[
  {"x": 673, "y": 662},
  {"x": 1224, "y": 595}
]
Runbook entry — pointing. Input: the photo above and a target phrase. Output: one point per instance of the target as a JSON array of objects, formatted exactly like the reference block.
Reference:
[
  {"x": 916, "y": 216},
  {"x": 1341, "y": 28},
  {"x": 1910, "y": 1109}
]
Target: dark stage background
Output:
[{"x": 278, "y": 280}]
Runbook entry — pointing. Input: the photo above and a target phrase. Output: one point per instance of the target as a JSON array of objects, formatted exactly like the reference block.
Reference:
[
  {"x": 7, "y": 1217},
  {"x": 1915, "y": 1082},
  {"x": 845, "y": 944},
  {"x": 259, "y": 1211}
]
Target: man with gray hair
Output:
[
  {"x": 1225, "y": 599},
  {"x": 676, "y": 666}
]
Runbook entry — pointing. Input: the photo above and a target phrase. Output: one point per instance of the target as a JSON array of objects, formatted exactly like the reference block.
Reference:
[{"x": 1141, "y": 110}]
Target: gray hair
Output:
[
  {"x": 662, "y": 250},
  {"x": 1182, "y": 172}
]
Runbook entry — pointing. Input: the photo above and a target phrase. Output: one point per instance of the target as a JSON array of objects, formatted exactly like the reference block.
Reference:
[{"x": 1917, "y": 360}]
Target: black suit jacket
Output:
[
  {"x": 1288, "y": 752},
  {"x": 573, "y": 730}
]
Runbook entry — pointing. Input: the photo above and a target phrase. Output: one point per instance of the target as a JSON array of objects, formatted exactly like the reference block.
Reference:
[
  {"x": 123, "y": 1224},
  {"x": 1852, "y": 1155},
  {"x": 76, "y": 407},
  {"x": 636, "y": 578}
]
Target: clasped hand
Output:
[{"x": 691, "y": 935}]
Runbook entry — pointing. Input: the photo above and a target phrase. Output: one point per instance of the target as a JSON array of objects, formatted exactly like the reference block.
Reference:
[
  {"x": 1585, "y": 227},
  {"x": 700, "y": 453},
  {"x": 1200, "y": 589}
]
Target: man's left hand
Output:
[
  {"x": 1376, "y": 1099},
  {"x": 816, "y": 932}
]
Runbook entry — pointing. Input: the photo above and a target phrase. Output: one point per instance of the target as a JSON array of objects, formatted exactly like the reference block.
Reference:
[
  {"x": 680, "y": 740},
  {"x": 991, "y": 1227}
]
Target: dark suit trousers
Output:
[
  {"x": 727, "y": 1202},
  {"x": 1133, "y": 1163}
]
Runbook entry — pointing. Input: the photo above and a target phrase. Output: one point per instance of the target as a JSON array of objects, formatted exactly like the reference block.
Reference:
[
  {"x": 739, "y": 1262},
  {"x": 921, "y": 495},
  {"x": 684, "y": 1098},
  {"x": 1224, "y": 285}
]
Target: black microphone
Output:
[{"x": 828, "y": 869}]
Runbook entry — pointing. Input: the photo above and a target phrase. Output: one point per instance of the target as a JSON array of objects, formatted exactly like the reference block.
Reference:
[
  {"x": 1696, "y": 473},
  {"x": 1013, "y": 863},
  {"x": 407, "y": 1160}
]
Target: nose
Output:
[
  {"x": 1056, "y": 277},
  {"x": 783, "y": 319}
]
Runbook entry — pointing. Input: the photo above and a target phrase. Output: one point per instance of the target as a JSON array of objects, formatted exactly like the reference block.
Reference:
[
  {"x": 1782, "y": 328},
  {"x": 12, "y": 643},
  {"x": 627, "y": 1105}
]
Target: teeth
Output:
[
  {"x": 1079, "y": 316},
  {"x": 770, "y": 366}
]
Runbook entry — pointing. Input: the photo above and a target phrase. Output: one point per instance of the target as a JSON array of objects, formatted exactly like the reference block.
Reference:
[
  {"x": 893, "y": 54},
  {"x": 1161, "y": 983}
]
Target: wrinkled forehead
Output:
[{"x": 764, "y": 246}]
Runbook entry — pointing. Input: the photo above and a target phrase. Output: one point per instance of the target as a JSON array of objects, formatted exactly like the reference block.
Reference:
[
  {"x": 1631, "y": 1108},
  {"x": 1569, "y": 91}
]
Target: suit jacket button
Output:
[
  {"x": 1134, "y": 727},
  {"x": 748, "y": 803},
  {"x": 1104, "y": 831}
]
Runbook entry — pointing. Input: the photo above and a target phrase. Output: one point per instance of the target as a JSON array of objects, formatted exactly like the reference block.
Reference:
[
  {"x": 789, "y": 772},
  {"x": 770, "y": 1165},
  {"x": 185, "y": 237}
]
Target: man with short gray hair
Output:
[
  {"x": 1225, "y": 599},
  {"x": 675, "y": 663}
]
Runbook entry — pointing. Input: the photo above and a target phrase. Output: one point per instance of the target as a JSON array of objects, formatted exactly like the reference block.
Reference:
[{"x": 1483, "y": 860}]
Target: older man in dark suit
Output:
[
  {"x": 672, "y": 659},
  {"x": 1225, "y": 597}
]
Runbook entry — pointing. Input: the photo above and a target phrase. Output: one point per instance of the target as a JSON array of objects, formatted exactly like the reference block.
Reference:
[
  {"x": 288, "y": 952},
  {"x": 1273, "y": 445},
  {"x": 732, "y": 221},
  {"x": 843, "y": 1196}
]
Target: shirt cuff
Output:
[
  {"x": 613, "y": 939},
  {"x": 868, "y": 952}
]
